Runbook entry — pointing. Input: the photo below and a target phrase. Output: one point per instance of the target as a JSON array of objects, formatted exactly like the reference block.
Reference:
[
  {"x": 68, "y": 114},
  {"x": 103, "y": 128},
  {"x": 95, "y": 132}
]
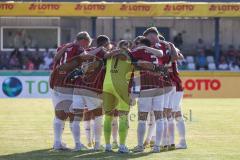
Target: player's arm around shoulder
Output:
[
  {"x": 154, "y": 51},
  {"x": 111, "y": 54},
  {"x": 61, "y": 50},
  {"x": 74, "y": 62}
]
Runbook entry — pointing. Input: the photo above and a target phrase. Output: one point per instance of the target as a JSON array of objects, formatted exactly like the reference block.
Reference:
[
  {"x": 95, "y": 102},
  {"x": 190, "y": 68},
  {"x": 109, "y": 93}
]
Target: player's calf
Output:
[
  {"x": 180, "y": 124},
  {"x": 159, "y": 130},
  {"x": 75, "y": 119},
  {"x": 97, "y": 127},
  {"x": 123, "y": 131},
  {"x": 59, "y": 123},
  {"x": 141, "y": 129},
  {"x": 87, "y": 118}
]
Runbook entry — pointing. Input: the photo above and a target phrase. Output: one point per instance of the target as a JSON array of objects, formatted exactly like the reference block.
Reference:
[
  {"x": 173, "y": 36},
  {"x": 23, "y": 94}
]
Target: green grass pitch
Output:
[{"x": 212, "y": 134}]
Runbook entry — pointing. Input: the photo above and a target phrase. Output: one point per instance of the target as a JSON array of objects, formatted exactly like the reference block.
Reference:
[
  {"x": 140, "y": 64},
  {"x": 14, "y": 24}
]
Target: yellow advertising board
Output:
[
  {"x": 137, "y": 9},
  {"x": 211, "y": 84}
]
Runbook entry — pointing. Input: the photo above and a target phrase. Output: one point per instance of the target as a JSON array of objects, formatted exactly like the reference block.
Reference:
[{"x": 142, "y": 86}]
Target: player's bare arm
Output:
[
  {"x": 60, "y": 53},
  {"x": 180, "y": 56},
  {"x": 144, "y": 65},
  {"x": 75, "y": 62},
  {"x": 95, "y": 51},
  {"x": 110, "y": 54},
  {"x": 151, "y": 50},
  {"x": 173, "y": 52}
]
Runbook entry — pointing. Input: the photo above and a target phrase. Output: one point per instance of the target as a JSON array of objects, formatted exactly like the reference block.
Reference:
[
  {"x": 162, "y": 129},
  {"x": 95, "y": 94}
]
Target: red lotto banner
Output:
[{"x": 211, "y": 84}]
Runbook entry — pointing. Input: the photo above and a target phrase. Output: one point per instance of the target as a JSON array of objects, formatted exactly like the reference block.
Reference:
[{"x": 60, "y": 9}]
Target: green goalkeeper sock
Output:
[
  {"x": 123, "y": 128},
  {"x": 107, "y": 128}
]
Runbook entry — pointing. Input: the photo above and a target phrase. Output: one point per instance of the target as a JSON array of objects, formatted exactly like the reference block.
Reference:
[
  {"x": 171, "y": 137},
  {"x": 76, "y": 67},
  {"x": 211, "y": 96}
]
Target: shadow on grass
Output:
[{"x": 48, "y": 154}]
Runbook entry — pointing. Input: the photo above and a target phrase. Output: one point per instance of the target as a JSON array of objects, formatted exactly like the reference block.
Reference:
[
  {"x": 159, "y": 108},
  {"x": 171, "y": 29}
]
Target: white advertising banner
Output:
[{"x": 24, "y": 87}]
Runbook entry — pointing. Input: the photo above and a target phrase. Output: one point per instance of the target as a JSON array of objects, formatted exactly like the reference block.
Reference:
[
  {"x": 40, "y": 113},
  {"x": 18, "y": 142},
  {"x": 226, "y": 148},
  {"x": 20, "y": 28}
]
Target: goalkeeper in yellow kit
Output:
[{"x": 116, "y": 88}]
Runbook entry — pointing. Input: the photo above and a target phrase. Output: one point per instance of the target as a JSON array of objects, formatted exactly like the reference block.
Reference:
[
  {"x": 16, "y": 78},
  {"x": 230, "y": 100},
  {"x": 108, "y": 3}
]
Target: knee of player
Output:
[
  {"x": 71, "y": 117},
  {"x": 179, "y": 119},
  {"x": 97, "y": 112},
  {"x": 158, "y": 115},
  {"x": 178, "y": 114},
  {"x": 142, "y": 116},
  {"x": 61, "y": 114},
  {"x": 78, "y": 112},
  {"x": 87, "y": 116}
]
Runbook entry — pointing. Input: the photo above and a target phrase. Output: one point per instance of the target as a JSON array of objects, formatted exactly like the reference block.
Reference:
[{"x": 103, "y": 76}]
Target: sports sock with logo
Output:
[
  {"x": 58, "y": 126},
  {"x": 165, "y": 132},
  {"x": 87, "y": 127},
  {"x": 115, "y": 129},
  {"x": 141, "y": 131},
  {"x": 181, "y": 128},
  {"x": 159, "y": 131},
  {"x": 98, "y": 128},
  {"x": 123, "y": 129},
  {"x": 75, "y": 129},
  {"x": 107, "y": 128},
  {"x": 171, "y": 131}
]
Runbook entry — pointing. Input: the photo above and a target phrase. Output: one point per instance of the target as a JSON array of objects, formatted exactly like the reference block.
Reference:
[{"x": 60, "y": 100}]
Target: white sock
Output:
[
  {"x": 92, "y": 130},
  {"x": 58, "y": 127},
  {"x": 115, "y": 129},
  {"x": 171, "y": 131},
  {"x": 159, "y": 131},
  {"x": 151, "y": 128},
  {"x": 98, "y": 129},
  {"x": 181, "y": 128},
  {"x": 164, "y": 141},
  {"x": 141, "y": 131},
  {"x": 87, "y": 129},
  {"x": 75, "y": 128}
]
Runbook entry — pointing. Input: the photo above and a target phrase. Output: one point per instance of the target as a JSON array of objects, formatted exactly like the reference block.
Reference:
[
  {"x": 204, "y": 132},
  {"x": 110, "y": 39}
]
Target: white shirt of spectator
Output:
[
  {"x": 234, "y": 67},
  {"x": 223, "y": 66}
]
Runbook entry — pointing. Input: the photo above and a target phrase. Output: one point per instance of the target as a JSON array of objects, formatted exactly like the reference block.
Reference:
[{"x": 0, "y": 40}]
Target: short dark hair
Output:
[
  {"x": 102, "y": 39},
  {"x": 150, "y": 30},
  {"x": 160, "y": 36},
  {"x": 146, "y": 42},
  {"x": 137, "y": 39},
  {"x": 122, "y": 43}
]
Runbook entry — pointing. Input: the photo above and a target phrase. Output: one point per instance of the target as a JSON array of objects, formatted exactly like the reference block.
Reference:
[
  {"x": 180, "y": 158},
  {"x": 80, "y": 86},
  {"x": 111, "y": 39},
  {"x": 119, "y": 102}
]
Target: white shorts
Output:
[
  {"x": 63, "y": 95},
  {"x": 169, "y": 96},
  {"x": 86, "y": 99},
  {"x": 151, "y": 103},
  {"x": 177, "y": 103}
]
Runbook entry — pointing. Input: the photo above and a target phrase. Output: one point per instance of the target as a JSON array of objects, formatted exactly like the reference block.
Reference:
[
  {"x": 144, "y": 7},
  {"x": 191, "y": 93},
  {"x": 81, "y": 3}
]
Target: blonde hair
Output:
[{"x": 83, "y": 36}]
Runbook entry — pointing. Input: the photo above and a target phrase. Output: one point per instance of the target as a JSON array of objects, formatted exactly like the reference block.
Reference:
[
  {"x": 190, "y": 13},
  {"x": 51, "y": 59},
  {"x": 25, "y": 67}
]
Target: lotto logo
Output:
[{"x": 202, "y": 84}]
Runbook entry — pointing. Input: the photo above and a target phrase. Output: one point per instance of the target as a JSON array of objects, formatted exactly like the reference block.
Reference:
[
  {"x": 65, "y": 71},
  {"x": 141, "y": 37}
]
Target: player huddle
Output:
[{"x": 89, "y": 83}]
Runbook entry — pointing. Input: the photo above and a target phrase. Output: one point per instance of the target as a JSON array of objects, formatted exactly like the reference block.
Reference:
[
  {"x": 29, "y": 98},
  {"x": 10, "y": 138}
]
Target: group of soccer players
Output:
[{"x": 89, "y": 83}]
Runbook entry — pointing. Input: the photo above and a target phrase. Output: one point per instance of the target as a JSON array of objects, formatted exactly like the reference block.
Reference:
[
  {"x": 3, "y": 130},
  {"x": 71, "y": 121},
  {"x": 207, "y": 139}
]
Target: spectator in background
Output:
[
  {"x": 200, "y": 45},
  {"x": 223, "y": 64},
  {"x": 178, "y": 41},
  {"x": 234, "y": 67},
  {"x": 47, "y": 52},
  {"x": 29, "y": 64},
  {"x": 231, "y": 54},
  {"x": 127, "y": 35},
  {"x": 15, "y": 60},
  {"x": 37, "y": 58},
  {"x": 182, "y": 64},
  {"x": 1, "y": 60},
  {"x": 47, "y": 62},
  {"x": 201, "y": 60},
  {"x": 26, "y": 52}
]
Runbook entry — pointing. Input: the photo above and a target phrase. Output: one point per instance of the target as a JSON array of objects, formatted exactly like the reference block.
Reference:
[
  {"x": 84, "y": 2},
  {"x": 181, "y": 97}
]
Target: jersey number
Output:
[
  {"x": 115, "y": 64},
  {"x": 154, "y": 59}
]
